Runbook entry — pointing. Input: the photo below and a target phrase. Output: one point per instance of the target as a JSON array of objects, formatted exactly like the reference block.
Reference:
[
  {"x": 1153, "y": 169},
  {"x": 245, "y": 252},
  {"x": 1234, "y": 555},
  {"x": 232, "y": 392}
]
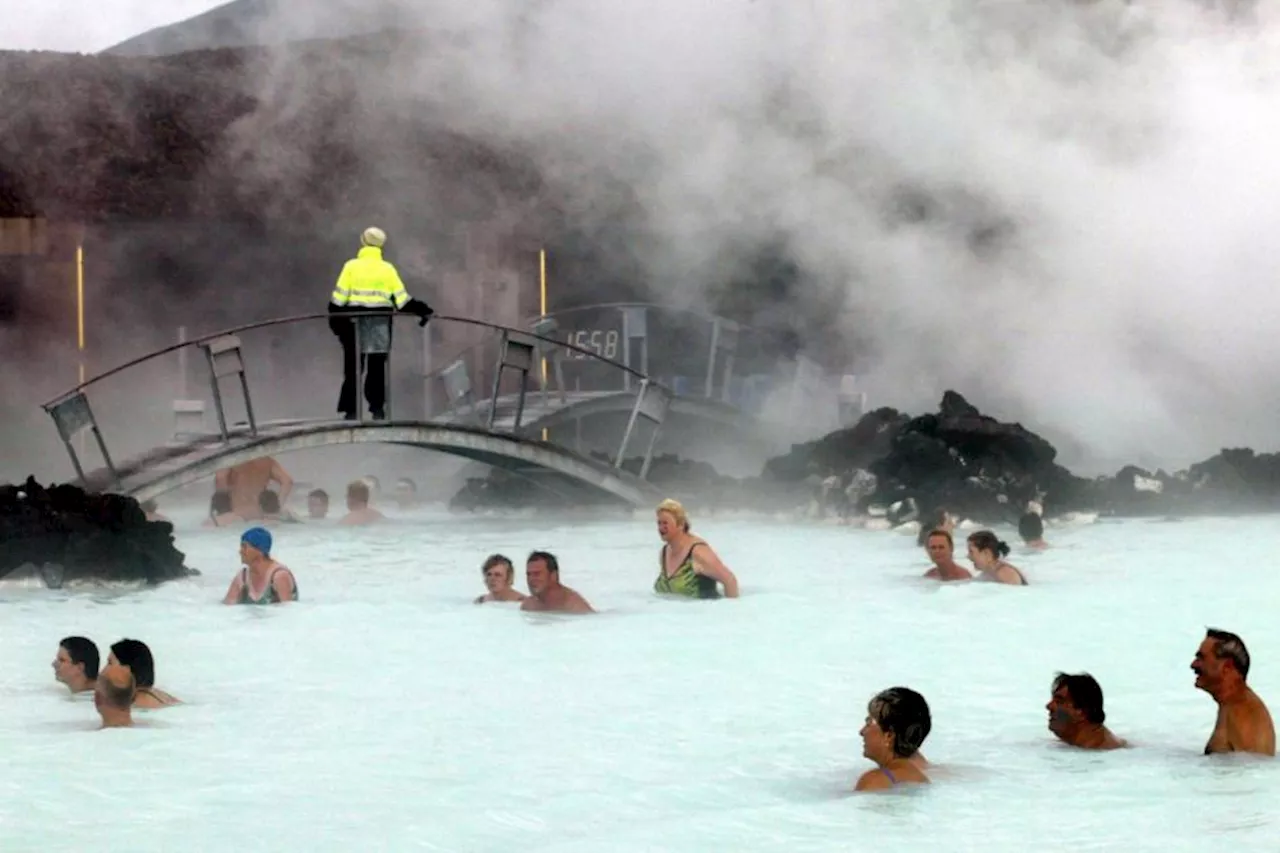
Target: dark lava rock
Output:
[
  {"x": 68, "y": 534},
  {"x": 956, "y": 459}
]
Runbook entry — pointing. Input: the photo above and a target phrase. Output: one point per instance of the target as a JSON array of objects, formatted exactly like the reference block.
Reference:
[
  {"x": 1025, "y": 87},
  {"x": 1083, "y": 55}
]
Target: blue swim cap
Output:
[{"x": 258, "y": 537}]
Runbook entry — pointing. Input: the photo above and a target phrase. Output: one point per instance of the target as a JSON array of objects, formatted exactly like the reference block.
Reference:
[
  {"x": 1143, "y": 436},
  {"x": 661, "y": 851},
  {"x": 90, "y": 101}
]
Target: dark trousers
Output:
[{"x": 374, "y": 368}]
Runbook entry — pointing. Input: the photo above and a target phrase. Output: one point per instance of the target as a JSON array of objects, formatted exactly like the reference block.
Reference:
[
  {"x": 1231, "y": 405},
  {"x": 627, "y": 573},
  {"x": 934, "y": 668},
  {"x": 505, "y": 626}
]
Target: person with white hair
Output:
[{"x": 368, "y": 283}]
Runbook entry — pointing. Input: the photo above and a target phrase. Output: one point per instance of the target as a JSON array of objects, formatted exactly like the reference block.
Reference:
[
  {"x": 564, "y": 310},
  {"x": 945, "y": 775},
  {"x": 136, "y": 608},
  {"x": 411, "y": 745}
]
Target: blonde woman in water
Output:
[{"x": 686, "y": 565}]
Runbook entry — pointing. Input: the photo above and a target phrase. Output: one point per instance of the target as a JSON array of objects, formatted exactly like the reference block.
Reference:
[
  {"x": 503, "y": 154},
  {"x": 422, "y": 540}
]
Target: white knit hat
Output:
[{"x": 373, "y": 237}]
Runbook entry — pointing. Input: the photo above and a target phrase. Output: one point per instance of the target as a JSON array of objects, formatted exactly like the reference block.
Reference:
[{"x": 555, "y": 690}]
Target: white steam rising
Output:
[
  {"x": 1062, "y": 209},
  {"x": 1101, "y": 182}
]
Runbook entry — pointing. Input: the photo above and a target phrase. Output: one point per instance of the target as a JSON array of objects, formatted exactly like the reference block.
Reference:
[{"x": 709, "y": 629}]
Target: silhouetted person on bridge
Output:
[{"x": 368, "y": 283}]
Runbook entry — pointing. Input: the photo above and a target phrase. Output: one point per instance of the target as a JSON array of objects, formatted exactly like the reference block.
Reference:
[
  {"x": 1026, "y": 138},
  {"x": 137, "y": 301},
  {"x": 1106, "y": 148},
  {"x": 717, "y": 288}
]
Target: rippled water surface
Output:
[{"x": 386, "y": 712}]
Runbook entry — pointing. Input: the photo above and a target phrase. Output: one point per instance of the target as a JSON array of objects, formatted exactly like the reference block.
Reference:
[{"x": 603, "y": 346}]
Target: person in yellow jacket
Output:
[{"x": 368, "y": 283}]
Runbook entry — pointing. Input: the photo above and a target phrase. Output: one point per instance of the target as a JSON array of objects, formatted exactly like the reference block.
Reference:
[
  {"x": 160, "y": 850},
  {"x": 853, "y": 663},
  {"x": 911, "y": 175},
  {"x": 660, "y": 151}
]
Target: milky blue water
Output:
[{"x": 386, "y": 712}]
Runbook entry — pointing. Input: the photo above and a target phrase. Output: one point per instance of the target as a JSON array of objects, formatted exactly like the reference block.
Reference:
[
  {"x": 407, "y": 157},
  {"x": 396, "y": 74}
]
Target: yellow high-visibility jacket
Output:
[{"x": 367, "y": 282}]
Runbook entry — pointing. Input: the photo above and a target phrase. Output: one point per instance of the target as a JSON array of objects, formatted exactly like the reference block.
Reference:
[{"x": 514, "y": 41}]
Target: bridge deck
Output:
[{"x": 557, "y": 468}]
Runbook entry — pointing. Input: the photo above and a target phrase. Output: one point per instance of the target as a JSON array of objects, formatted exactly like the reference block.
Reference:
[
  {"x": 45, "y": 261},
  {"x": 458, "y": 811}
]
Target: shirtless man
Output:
[
  {"x": 546, "y": 593},
  {"x": 942, "y": 552},
  {"x": 1221, "y": 666},
  {"x": 113, "y": 697},
  {"x": 250, "y": 479},
  {"x": 1076, "y": 715},
  {"x": 499, "y": 575},
  {"x": 358, "y": 510}
]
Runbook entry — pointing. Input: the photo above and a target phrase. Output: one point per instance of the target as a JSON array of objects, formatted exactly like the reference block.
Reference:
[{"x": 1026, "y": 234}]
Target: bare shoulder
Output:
[
  {"x": 577, "y": 603},
  {"x": 531, "y": 603},
  {"x": 873, "y": 780}
]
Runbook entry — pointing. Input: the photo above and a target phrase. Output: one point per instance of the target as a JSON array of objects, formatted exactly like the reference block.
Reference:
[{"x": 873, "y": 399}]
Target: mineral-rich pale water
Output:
[{"x": 387, "y": 712}]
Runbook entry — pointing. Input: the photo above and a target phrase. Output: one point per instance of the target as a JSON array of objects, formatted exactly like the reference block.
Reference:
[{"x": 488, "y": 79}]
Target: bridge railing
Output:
[{"x": 491, "y": 365}]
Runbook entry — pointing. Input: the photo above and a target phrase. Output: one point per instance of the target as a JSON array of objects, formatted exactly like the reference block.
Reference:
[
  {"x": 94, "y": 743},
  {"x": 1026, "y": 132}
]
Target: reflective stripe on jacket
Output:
[{"x": 367, "y": 281}]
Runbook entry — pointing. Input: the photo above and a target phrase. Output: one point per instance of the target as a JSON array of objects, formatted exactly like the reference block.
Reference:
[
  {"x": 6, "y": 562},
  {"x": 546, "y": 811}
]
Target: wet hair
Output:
[
  {"x": 547, "y": 557},
  {"x": 358, "y": 491},
  {"x": 676, "y": 510},
  {"x": 318, "y": 494},
  {"x": 1031, "y": 527},
  {"x": 220, "y": 503},
  {"x": 904, "y": 713},
  {"x": 940, "y": 532},
  {"x": 119, "y": 695},
  {"x": 135, "y": 655},
  {"x": 82, "y": 650},
  {"x": 1084, "y": 692},
  {"x": 269, "y": 502},
  {"x": 498, "y": 560},
  {"x": 1230, "y": 646},
  {"x": 985, "y": 540}
]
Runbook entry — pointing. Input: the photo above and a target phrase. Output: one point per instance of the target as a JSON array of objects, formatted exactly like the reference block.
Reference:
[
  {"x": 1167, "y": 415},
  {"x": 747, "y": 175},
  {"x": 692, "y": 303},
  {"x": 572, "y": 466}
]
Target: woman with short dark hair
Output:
[{"x": 898, "y": 721}]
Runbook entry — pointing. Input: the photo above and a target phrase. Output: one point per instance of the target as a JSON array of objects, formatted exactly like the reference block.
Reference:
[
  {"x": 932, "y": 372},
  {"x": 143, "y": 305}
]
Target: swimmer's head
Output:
[
  {"x": 986, "y": 549},
  {"x": 115, "y": 689},
  {"x": 672, "y": 519},
  {"x": 76, "y": 661},
  {"x": 135, "y": 655},
  {"x": 1031, "y": 527},
  {"x": 1221, "y": 661},
  {"x": 498, "y": 573},
  {"x": 541, "y": 571},
  {"x": 255, "y": 543},
  {"x": 269, "y": 502},
  {"x": 1073, "y": 701},
  {"x": 220, "y": 503},
  {"x": 898, "y": 721},
  {"x": 318, "y": 503},
  {"x": 357, "y": 495},
  {"x": 939, "y": 545}
]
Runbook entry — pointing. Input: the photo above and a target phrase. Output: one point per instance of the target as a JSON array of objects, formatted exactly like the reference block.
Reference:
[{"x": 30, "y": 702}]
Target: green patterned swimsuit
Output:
[
  {"x": 269, "y": 595},
  {"x": 686, "y": 581}
]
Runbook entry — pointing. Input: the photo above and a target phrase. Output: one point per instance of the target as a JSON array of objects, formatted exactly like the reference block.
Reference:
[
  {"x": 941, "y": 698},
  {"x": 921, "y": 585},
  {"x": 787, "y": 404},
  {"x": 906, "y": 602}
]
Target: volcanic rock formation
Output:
[{"x": 67, "y": 534}]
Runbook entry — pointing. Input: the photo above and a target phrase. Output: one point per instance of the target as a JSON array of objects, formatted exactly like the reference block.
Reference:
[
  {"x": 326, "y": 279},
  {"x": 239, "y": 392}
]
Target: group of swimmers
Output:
[
  {"x": 244, "y": 493},
  {"x": 898, "y": 719},
  {"x": 128, "y": 680}
]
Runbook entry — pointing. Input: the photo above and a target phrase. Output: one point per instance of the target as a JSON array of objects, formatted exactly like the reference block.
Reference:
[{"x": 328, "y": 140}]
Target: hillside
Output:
[
  {"x": 201, "y": 135},
  {"x": 247, "y": 23}
]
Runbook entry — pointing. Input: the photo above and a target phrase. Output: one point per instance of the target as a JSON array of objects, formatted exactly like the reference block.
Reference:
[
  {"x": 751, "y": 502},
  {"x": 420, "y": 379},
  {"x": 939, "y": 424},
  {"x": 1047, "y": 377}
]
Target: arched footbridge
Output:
[{"x": 504, "y": 428}]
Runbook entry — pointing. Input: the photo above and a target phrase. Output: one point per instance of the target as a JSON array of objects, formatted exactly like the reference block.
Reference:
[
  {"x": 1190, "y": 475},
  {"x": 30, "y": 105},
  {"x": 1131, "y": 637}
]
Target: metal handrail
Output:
[{"x": 285, "y": 321}]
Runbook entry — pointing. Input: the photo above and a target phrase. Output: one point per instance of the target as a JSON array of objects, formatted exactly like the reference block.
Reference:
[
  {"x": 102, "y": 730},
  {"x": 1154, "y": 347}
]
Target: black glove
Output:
[{"x": 419, "y": 308}]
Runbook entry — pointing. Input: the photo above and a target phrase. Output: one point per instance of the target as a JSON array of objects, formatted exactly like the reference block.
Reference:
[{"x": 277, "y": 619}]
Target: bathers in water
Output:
[{"x": 686, "y": 581}]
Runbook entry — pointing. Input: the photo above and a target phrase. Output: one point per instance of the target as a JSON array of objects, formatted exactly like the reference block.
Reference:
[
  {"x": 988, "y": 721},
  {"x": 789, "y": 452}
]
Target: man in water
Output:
[
  {"x": 262, "y": 580},
  {"x": 76, "y": 664},
  {"x": 1221, "y": 666},
  {"x": 317, "y": 504},
  {"x": 1076, "y": 715},
  {"x": 499, "y": 576},
  {"x": 113, "y": 697},
  {"x": 546, "y": 593},
  {"x": 250, "y": 479},
  {"x": 942, "y": 552},
  {"x": 358, "y": 510}
]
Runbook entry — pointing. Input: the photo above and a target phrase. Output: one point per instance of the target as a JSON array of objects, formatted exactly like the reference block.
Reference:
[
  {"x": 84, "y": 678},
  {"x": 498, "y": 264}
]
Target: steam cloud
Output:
[{"x": 1063, "y": 209}]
